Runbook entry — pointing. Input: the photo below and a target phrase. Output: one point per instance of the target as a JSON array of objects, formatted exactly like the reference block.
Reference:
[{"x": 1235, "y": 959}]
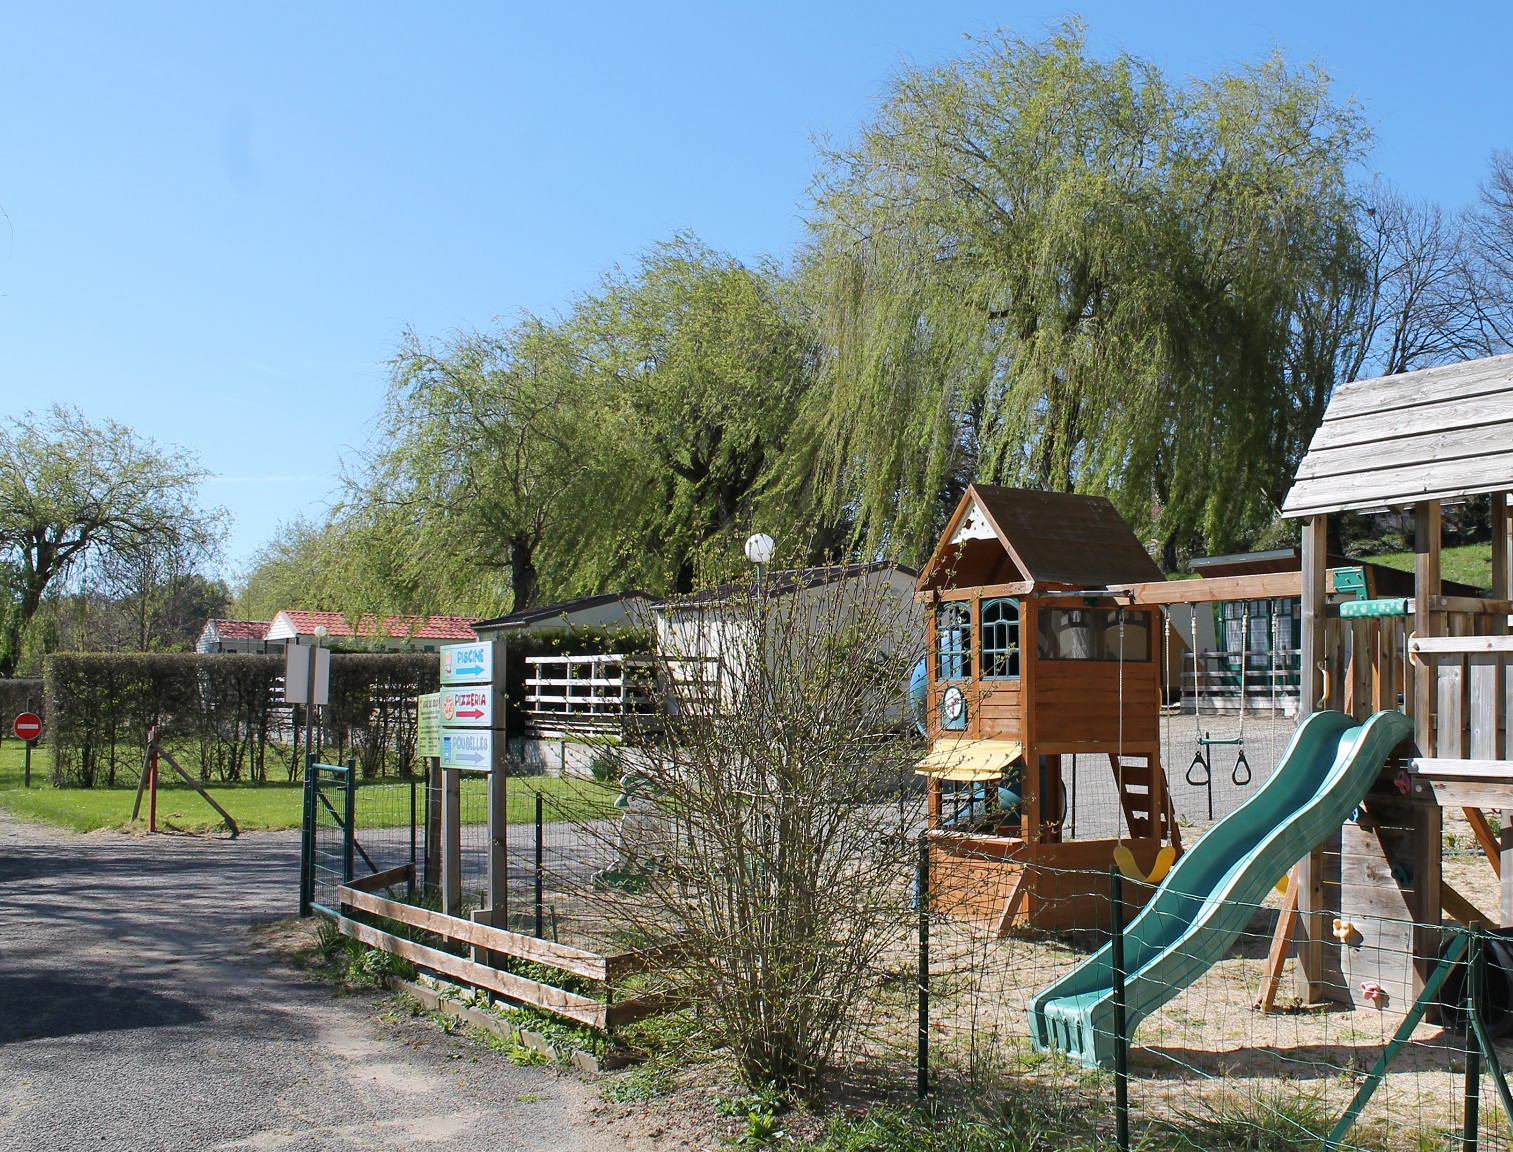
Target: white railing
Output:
[{"x": 604, "y": 690}]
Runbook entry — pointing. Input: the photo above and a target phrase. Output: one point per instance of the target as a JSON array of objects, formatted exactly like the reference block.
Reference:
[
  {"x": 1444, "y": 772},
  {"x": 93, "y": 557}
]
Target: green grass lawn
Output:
[
  {"x": 1467, "y": 563},
  {"x": 275, "y": 805}
]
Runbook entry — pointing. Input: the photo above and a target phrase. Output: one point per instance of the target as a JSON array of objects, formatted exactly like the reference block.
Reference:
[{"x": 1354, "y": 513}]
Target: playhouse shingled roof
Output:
[
  {"x": 1054, "y": 538},
  {"x": 1434, "y": 434}
]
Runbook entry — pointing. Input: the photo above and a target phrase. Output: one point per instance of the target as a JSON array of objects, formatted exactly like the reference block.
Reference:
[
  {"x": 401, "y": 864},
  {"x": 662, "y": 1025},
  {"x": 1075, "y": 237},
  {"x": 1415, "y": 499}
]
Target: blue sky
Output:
[{"x": 218, "y": 220}]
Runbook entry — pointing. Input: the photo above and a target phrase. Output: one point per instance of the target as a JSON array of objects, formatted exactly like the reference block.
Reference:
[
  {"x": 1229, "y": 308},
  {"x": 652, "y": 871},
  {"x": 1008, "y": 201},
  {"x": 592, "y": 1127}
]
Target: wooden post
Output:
[
  {"x": 1313, "y": 647},
  {"x": 1502, "y": 549},
  {"x": 1308, "y": 877},
  {"x": 1428, "y": 829},
  {"x": 499, "y": 860},
  {"x": 1505, "y": 870},
  {"x": 451, "y": 841},
  {"x": 433, "y": 822}
]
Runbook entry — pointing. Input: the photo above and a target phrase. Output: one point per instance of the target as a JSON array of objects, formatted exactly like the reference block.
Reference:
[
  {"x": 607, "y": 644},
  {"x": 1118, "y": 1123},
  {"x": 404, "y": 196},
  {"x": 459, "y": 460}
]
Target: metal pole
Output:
[
  {"x": 410, "y": 888},
  {"x": 1473, "y": 1045},
  {"x": 1121, "y": 1041},
  {"x": 30, "y": 744},
  {"x": 349, "y": 837},
  {"x": 307, "y": 843},
  {"x": 152, "y": 781},
  {"x": 540, "y": 869},
  {"x": 922, "y": 1036}
]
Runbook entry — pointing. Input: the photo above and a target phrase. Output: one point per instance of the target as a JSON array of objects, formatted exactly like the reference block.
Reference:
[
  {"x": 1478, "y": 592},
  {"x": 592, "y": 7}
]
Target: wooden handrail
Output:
[{"x": 1459, "y": 645}]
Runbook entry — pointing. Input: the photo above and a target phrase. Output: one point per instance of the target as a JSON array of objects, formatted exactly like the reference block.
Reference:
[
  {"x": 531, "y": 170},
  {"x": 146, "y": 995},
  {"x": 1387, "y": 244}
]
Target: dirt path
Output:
[{"x": 137, "y": 1013}]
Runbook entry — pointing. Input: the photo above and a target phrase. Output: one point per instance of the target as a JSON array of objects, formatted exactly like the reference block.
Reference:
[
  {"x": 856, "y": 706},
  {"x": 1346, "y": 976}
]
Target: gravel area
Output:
[{"x": 139, "y": 1010}]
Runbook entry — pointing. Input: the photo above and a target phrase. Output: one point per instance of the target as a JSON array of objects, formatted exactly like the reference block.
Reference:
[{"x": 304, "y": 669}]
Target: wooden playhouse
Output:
[{"x": 1035, "y": 657}]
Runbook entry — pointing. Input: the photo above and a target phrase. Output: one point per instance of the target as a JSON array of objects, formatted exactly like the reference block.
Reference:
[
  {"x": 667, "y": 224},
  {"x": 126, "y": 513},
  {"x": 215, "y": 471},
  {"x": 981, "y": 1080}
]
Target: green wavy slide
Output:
[{"x": 1206, "y": 900}]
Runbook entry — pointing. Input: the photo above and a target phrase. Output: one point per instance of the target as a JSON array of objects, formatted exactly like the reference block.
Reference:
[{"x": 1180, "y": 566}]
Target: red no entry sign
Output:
[{"x": 27, "y": 726}]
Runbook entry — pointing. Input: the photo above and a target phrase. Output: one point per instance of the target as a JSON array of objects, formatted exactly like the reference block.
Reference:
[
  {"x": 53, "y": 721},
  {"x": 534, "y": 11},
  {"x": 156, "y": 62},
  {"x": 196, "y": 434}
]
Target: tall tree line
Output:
[{"x": 1030, "y": 266}]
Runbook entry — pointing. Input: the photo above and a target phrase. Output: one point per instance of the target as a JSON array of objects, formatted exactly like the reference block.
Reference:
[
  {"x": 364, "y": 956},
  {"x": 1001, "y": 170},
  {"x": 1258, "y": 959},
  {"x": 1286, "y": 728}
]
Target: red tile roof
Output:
[
  {"x": 412, "y": 627},
  {"x": 241, "y": 629}
]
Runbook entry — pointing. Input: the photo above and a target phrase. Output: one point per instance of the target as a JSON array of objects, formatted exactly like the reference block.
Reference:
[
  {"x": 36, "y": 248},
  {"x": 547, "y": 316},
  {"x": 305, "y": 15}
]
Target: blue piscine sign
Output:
[{"x": 468, "y": 663}]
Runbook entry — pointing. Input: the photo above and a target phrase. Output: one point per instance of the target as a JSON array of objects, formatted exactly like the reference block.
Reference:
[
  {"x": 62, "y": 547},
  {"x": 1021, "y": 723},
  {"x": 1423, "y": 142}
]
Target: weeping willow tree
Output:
[
  {"x": 1034, "y": 267},
  {"x": 697, "y": 362}
]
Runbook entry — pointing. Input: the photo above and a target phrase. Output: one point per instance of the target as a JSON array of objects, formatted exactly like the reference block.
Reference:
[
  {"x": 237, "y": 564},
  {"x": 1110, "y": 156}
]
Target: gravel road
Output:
[{"x": 137, "y": 1012}]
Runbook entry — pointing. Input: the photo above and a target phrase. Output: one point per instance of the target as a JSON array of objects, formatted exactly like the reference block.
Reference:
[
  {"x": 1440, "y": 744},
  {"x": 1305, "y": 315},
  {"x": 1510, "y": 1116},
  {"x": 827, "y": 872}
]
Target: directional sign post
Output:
[
  {"x": 472, "y": 680},
  {"x": 28, "y": 726}
]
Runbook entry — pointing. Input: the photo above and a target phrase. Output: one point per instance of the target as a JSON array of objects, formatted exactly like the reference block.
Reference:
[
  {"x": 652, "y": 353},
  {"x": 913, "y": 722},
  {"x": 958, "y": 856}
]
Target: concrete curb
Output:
[{"x": 436, "y": 1000}]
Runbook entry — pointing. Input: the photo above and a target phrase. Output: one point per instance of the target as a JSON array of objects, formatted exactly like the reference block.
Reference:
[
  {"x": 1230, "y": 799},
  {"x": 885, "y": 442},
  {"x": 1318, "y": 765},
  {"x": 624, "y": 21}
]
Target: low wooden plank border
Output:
[{"x": 601, "y": 1014}]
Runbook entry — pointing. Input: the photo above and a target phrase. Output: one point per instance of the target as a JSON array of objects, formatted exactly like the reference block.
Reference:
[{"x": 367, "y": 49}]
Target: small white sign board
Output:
[
  {"x": 428, "y": 724},
  {"x": 297, "y": 659}
]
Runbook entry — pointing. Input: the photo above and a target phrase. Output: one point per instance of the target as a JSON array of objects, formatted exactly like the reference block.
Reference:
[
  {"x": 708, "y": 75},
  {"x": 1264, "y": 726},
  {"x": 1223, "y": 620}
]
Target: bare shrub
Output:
[{"x": 779, "y": 854}]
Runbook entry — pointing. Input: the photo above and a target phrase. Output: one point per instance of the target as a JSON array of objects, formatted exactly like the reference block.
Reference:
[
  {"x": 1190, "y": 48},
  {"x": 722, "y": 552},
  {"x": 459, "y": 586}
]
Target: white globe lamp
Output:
[{"x": 760, "y": 548}]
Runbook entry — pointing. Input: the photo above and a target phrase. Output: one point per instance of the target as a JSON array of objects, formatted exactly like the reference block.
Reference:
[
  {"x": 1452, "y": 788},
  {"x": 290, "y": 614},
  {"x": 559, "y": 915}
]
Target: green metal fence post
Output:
[
  {"x": 410, "y": 886},
  {"x": 922, "y": 903},
  {"x": 307, "y": 843},
  {"x": 1474, "y": 955},
  {"x": 540, "y": 865},
  {"x": 1121, "y": 1040},
  {"x": 349, "y": 833}
]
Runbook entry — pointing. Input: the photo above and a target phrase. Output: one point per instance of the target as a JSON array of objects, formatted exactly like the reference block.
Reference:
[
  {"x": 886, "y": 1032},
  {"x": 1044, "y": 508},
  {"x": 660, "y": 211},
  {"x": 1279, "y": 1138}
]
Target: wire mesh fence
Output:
[
  {"x": 999, "y": 1011},
  {"x": 1032, "y": 1012}
]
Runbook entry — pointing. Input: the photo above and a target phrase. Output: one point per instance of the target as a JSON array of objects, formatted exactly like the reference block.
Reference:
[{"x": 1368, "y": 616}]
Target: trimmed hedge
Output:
[
  {"x": 17, "y": 696},
  {"x": 227, "y": 708}
]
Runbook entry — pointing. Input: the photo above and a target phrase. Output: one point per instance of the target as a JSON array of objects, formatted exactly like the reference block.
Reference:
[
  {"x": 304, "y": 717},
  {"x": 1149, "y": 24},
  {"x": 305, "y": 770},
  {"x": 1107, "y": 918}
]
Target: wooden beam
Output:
[
  {"x": 1502, "y": 549},
  {"x": 594, "y": 1013},
  {"x": 1312, "y": 588},
  {"x": 1281, "y": 945},
  {"x": 1486, "y": 838},
  {"x": 1309, "y": 873},
  {"x": 579, "y": 961},
  {"x": 1458, "y": 908},
  {"x": 1428, "y": 821},
  {"x": 1460, "y": 645},
  {"x": 1263, "y": 586},
  {"x": 498, "y": 827},
  {"x": 451, "y": 841},
  {"x": 388, "y": 878}
]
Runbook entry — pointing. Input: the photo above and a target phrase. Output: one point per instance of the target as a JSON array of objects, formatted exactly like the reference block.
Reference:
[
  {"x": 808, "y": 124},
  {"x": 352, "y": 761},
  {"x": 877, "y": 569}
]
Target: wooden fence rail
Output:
[{"x": 362, "y": 896}]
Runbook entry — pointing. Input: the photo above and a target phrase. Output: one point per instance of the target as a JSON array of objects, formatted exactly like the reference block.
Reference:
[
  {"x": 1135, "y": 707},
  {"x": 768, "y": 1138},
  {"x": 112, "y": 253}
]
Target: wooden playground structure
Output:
[
  {"x": 1064, "y": 574},
  {"x": 1032, "y": 658}
]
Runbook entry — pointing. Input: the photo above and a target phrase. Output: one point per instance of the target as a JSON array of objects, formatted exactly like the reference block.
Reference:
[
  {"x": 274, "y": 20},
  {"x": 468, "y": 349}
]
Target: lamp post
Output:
[{"x": 759, "y": 549}]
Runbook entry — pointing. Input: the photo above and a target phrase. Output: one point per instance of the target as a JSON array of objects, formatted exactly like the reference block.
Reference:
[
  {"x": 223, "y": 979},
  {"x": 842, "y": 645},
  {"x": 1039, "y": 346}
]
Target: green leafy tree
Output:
[
  {"x": 1039, "y": 268},
  {"x": 75, "y": 495},
  {"x": 481, "y": 453},
  {"x": 698, "y": 363}
]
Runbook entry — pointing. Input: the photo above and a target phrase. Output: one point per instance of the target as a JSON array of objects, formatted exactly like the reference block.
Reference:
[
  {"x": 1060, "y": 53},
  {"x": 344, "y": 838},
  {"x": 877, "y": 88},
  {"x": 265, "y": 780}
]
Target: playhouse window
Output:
[
  {"x": 1093, "y": 634},
  {"x": 953, "y": 642},
  {"x": 1000, "y": 639}
]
